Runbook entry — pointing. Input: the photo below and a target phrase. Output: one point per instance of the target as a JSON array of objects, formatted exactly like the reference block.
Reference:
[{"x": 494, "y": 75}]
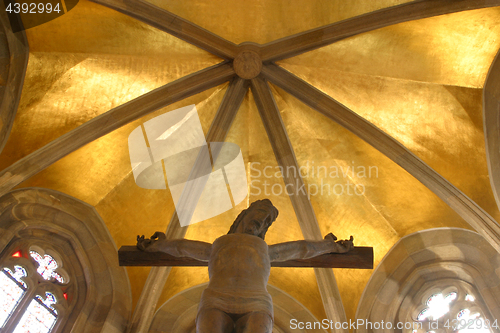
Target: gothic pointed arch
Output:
[
  {"x": 64, "y": 241},
  {"x": 177, "y": 315},
  {"x": 457, "y": 266},
  {"x": 491, "y": 125}
]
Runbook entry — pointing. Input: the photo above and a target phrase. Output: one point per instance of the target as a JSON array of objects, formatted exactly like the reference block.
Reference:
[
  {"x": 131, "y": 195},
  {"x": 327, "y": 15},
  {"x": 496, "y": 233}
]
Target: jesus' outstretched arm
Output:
[
  {"x": 175, "y": 247},
  {"x": 309, "y": 249}
]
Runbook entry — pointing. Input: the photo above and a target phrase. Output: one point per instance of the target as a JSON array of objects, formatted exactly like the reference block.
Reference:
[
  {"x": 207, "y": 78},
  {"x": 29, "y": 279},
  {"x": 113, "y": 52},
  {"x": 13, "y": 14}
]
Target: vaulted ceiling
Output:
[{"x": 399, "y": 90}]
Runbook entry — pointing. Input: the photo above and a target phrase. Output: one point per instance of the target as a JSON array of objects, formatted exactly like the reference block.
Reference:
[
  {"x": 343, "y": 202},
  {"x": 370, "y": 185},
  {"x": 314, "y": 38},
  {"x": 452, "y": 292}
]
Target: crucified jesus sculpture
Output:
[{"x": 239, "y": 264}]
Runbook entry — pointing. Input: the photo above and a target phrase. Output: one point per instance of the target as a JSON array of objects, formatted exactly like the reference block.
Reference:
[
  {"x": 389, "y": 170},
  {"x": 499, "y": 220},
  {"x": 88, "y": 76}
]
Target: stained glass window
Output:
[
  {"x": 433, "y": 299},
  {"x": 47, "y": 266},
  {"x": 18, "y": 274},
  {"x": 39, "y": 317},
  {"x": 438, "y": 306},
  {"x": 463, "y": 314},
  {"x": 451, "y": 297},
  {"x": 12, "y": 289},
  {"x": 423, "y": 314},
  {"x": 37, "y": 314},
  {"x": 471, "y": 322}
]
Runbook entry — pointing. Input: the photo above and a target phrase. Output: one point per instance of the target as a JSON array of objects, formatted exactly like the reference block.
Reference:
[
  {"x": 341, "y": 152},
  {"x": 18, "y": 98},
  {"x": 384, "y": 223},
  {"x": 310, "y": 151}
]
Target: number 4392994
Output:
[{"x": 32, "y": 8}]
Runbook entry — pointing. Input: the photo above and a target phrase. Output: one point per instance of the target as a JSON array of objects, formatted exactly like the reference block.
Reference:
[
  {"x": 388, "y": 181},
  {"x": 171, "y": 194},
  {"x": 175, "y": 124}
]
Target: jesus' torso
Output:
[{"x": 239, "y": 262}]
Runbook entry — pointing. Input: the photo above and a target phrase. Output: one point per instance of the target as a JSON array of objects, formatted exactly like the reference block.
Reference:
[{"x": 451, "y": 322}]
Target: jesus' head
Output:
[{"x": 256, "y": 219}]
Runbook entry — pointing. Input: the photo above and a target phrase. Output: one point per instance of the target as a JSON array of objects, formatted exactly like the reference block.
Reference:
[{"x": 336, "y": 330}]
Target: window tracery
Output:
[
  {"x": 31, "y": 291},
  {"x": 39, "y": 317},
  {"x": 437, "y": 306},
  {"x": 451, "y": 310},
  {"x": 46, "y": 266},
  {"x": 12, "y": 289},
  {"x": 90, "y": 299}
]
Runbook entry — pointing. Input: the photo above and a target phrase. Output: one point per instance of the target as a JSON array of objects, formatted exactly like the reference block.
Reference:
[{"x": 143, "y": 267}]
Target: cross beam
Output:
[{"x": 360, "y": 257}]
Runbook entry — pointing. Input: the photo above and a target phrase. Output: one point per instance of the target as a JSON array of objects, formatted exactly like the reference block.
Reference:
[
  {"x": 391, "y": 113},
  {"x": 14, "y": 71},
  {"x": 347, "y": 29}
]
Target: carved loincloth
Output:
[{"x": 237, "y": 302}]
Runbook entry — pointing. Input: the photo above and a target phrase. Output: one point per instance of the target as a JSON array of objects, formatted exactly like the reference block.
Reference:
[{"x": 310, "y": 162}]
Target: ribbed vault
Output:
[{"x": 280, "y": 105}]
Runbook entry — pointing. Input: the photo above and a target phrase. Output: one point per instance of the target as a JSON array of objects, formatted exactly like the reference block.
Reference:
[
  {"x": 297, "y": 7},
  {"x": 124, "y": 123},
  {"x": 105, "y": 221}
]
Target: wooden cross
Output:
[{"x": 360, "y": 257}]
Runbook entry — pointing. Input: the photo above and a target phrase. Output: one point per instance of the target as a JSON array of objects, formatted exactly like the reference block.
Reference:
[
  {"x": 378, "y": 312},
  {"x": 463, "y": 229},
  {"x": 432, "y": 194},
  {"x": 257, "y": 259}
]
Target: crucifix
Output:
[{"x": 239, "y": 263}]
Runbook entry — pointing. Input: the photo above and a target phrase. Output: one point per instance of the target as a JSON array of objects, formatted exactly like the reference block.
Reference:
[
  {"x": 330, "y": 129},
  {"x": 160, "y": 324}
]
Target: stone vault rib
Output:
[
  {"x": 481, "y": 221},
  {"x": 111, "y": 120}
]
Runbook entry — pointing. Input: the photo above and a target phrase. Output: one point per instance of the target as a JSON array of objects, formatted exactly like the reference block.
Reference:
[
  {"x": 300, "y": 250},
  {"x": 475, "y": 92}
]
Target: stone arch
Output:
[
  {"x": 423, "y": 259},
  {"x": 491, "y": 125},
  {"x": 178, "y": 314},
  {"x": 75, "y": 230},
  {"x": 13, "y": 62}
]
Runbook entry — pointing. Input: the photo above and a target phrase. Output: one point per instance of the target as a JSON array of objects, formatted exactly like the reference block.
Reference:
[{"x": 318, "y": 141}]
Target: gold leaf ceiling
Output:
[{"x": 420, "y": 82}]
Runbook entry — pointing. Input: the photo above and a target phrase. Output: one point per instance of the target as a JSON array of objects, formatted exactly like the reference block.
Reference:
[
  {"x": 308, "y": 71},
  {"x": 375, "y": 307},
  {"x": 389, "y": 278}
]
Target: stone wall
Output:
[
  {"x": 13, "y": 62},
  {"x": 75, "y": 230},
  {"x": 434, "y": 257}
]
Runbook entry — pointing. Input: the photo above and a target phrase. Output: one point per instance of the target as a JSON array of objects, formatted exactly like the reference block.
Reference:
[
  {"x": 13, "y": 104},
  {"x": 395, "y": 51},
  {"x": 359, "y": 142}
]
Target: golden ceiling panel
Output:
[
  {"x": 355, "y": 190},
  {"x": 100, "y": 174},
  {"x": 62, "y": 91},
  {"x": 92, "y": 28},
  {"x": 453, "y": 49},
  {"x": 331, "y": 155},
  {"x": 440, "y": 124},
  {"x": 262, "y": 21},
  {"x": 93, "y": 59}
]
